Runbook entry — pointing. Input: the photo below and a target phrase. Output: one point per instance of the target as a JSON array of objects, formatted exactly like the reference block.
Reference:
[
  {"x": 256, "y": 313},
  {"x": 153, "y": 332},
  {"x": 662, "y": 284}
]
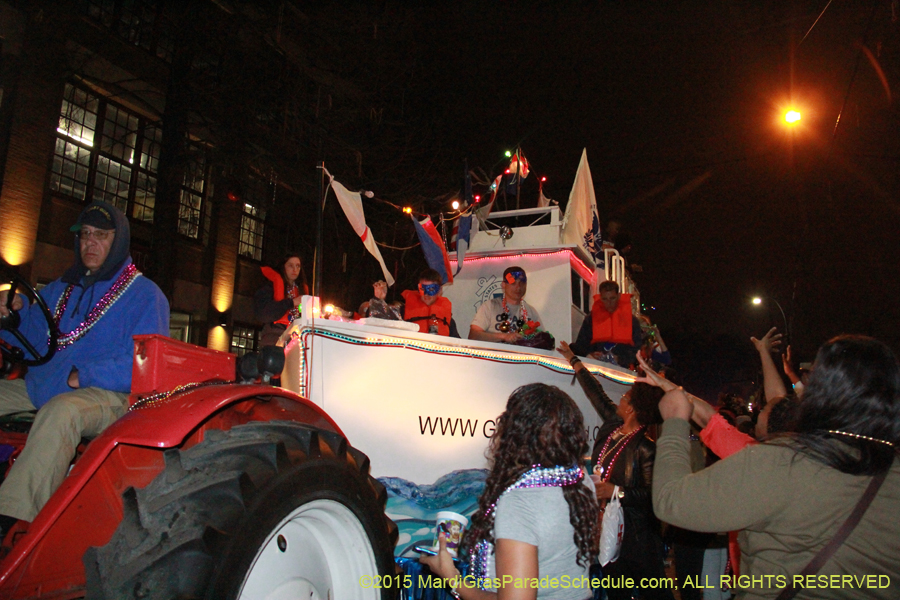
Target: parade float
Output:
[{"x": 424, "y": 406}]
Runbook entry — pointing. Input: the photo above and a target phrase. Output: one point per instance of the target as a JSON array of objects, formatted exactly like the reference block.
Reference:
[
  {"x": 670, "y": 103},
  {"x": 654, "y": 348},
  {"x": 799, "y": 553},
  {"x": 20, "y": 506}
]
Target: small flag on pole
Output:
[
  {"x": 351, "y": 202},
  {"x": 433, "y": 248},
  {"x": 581, "y": 223}
]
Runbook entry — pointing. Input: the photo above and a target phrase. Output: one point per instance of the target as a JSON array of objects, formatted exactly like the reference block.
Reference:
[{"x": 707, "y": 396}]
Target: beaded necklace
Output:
[
  {"x": 119, "y": 287},
  {"x": 505, "y": 318},
  {"x": 860, "y": 437},
  {"x": 606, "y": 472},
  {"x": 294, "y": 311},
  {"x": 536, "y": 477}
]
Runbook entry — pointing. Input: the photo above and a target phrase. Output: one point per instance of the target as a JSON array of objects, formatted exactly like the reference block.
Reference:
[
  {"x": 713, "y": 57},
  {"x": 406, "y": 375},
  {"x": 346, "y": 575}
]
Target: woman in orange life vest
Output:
[
  {"x": 611, "y": 332},
  {"x": 276, "y": 304}
]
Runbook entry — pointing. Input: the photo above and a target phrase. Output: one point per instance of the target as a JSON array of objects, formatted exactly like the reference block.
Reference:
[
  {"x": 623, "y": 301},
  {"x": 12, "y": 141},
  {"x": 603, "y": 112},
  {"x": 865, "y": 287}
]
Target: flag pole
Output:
[
  {"x": 518, "y": 178},
  {"x": 317, "y": 268}
]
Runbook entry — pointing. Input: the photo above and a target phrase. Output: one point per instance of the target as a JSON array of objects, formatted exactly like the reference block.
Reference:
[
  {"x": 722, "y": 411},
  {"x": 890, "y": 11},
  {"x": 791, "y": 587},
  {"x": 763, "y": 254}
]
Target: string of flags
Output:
[{"x": 580, "y": 225}]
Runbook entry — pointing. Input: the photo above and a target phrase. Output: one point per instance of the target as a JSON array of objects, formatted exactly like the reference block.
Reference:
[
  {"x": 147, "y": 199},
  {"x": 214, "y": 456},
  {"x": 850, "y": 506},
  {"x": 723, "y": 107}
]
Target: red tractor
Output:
[{"x": 207, "y": 488}]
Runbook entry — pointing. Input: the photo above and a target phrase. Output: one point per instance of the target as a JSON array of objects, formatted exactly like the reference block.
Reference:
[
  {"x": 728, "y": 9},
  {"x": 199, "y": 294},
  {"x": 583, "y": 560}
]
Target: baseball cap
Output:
[{"x": 95, "y": 215}]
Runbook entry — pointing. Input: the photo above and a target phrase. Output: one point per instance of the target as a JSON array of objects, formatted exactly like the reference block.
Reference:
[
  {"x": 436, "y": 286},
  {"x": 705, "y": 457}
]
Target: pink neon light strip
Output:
[{"x": 576, "y": 262}]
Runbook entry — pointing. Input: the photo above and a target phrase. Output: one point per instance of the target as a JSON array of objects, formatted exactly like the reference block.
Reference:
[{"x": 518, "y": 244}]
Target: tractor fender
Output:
[{"x": 179, "y": 420}]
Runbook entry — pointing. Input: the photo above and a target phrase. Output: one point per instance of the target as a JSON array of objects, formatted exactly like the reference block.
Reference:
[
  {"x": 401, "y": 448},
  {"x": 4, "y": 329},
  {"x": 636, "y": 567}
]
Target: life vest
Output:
[
  {"x": 418, "y": 312},
  {"x": 612, "y": 327},
  {"x": 278, "y": 292}
]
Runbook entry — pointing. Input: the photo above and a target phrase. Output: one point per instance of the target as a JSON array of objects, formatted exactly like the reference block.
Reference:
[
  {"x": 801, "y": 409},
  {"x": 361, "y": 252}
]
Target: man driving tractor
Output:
[{"x": 98, "y": 305}]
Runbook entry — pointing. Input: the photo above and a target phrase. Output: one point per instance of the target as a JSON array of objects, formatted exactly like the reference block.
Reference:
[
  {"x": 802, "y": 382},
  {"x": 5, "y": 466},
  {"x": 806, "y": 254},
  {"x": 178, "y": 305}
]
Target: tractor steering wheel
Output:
[{"x": 13, "y": 320}]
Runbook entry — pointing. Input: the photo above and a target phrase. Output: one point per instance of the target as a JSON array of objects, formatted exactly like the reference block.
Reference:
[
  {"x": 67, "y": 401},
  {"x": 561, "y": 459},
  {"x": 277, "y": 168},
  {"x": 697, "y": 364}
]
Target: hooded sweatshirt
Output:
[{"x": 103, "y": 356}]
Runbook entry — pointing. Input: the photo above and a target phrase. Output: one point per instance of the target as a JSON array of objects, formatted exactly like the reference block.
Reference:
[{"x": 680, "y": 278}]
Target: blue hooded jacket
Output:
[{"x": 103, "y": 356}]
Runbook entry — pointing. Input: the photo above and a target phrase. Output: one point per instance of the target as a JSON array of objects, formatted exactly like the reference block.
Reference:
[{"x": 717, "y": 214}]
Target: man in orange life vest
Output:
[
  {"x": 611, "y": 332},
  {"x": 427, "y": 306}
]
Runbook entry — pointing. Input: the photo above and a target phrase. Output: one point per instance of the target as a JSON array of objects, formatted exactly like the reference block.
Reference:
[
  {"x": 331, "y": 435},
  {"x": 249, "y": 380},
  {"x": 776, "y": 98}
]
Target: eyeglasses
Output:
[{"x": 100, "y": 235}]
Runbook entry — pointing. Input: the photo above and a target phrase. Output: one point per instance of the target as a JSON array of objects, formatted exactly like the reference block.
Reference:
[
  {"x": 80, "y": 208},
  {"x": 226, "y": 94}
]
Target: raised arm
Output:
[
  {"x": 772, "y": 384},
  {"x": 702, "y": 411},
  {"x": 604, "y": 406}
]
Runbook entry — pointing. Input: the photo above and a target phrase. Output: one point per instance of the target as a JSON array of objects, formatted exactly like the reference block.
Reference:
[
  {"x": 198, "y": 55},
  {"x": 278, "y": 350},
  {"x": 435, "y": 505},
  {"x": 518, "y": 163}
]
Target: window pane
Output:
[
  {"x": 99, "y": 10},
  {"x": 251, "y": 236},
  {"x": 119, "y": 134},
  {"x": 189, "y": 214},
  {"x": 195, "y": 173},
  {"x": 78, "y": 115},
  {"x": 144, "y": 198},
  {"x": 244, "y": 340},
  {"x": 69, "y": 172},
  {"x": 111, "y": 182},
  {"x": 150, "y": 149}
]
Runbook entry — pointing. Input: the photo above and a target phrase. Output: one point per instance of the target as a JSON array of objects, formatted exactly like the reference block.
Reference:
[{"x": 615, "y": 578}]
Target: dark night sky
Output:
[{"x": 677, "y": 104}]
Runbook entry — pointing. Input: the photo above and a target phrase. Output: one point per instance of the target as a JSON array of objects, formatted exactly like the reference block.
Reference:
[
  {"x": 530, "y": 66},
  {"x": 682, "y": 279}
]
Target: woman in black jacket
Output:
[{"x": 623, "y": 456}]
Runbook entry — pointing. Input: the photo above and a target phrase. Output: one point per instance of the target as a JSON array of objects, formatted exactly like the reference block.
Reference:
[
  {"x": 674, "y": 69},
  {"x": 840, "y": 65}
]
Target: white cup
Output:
[{"x": 455, "y": 525}]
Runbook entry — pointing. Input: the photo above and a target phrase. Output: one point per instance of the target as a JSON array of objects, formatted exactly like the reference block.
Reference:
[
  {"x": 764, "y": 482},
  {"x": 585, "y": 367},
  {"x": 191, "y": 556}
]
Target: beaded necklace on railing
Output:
[
  {"x": 605, "y": 472},
  {"x": 119, "y": 286},
  {"x": 536, "y": 477}
]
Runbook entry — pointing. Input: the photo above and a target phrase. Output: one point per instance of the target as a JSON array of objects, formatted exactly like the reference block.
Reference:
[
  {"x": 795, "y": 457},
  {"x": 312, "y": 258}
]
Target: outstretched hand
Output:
[
  {"x": 565, "y": 350},
  {"x": 788, "y": 363},
  {"x": 769, "y": 342},
  {"x": 651, "y": 377}
]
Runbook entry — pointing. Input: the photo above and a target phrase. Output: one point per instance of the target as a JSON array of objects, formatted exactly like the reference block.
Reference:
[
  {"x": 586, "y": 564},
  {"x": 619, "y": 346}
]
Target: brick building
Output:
[{"x": 126, "y": 101}]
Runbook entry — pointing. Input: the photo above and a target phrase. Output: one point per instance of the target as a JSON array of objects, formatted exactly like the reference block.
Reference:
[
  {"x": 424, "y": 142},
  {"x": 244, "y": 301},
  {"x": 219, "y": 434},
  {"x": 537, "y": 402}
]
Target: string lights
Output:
[{"x": 307, "y": 335}]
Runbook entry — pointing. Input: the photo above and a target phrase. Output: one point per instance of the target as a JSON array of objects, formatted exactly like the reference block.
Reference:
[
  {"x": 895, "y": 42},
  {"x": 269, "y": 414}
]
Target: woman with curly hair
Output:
[
  {"x": 537, "y": 517},
  {"x": 791, "y": 495},
  {"x": 623, "y": 456}
]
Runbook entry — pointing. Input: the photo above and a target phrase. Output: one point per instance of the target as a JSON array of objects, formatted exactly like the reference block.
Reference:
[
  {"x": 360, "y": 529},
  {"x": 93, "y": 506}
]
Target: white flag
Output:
[
  {"x": 351, "y": 202},
  {"x": 581, "y": 223}
]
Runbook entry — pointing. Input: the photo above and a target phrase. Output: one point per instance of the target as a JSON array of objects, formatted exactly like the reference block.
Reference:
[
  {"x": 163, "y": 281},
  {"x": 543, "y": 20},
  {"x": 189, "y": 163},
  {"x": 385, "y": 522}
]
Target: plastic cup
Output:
[{"x": 455, "y": 524}]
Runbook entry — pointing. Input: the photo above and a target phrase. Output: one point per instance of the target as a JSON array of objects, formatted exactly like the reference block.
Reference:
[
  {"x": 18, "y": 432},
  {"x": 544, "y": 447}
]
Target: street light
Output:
[
  {"x": 791, "y": 117},
  {"x": 757, "y": 300}
]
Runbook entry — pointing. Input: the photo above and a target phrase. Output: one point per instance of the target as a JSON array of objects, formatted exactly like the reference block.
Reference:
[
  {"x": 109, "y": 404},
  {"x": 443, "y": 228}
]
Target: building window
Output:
[
  {"x": 193, "y": 214},
  {"x": 145, "y": 175},
  {"x": 180, "y": 326},
  {"x": 252, "y": 229},
  {"x": 141, "y": 23},
  {"x": 244, "y": 339},
  {"x": 94, "y": 157}
]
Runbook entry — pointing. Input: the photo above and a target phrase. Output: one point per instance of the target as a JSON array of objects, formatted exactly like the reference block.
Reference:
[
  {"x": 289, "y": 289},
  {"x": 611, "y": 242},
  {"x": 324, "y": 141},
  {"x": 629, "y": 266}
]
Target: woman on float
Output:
[
  {"x": 537, "y": 517},
  {"x": 277, "y": 304}
]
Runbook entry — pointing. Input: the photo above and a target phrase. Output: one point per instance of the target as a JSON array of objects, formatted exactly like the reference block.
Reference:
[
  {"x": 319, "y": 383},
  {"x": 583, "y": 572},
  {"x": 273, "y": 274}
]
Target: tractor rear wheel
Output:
[{"x": 270, "y": 510}]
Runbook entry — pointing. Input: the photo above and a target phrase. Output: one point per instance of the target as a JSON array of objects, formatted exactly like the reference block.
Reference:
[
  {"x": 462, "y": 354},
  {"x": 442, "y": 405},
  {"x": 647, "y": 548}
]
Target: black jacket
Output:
[{"x": 635, "y": 476}]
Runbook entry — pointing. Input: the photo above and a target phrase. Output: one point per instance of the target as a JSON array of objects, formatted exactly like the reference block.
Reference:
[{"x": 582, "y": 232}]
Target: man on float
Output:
[
  {"x": 611, "y": 333},
  {"x": 427, "y": 306},
  {"x": 98, "y": 305},
  {"x": 501, "y": 319}
]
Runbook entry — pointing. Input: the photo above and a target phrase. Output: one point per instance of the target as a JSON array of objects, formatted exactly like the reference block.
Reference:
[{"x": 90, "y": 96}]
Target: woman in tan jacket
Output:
[{"x": 791, "y": 494}]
